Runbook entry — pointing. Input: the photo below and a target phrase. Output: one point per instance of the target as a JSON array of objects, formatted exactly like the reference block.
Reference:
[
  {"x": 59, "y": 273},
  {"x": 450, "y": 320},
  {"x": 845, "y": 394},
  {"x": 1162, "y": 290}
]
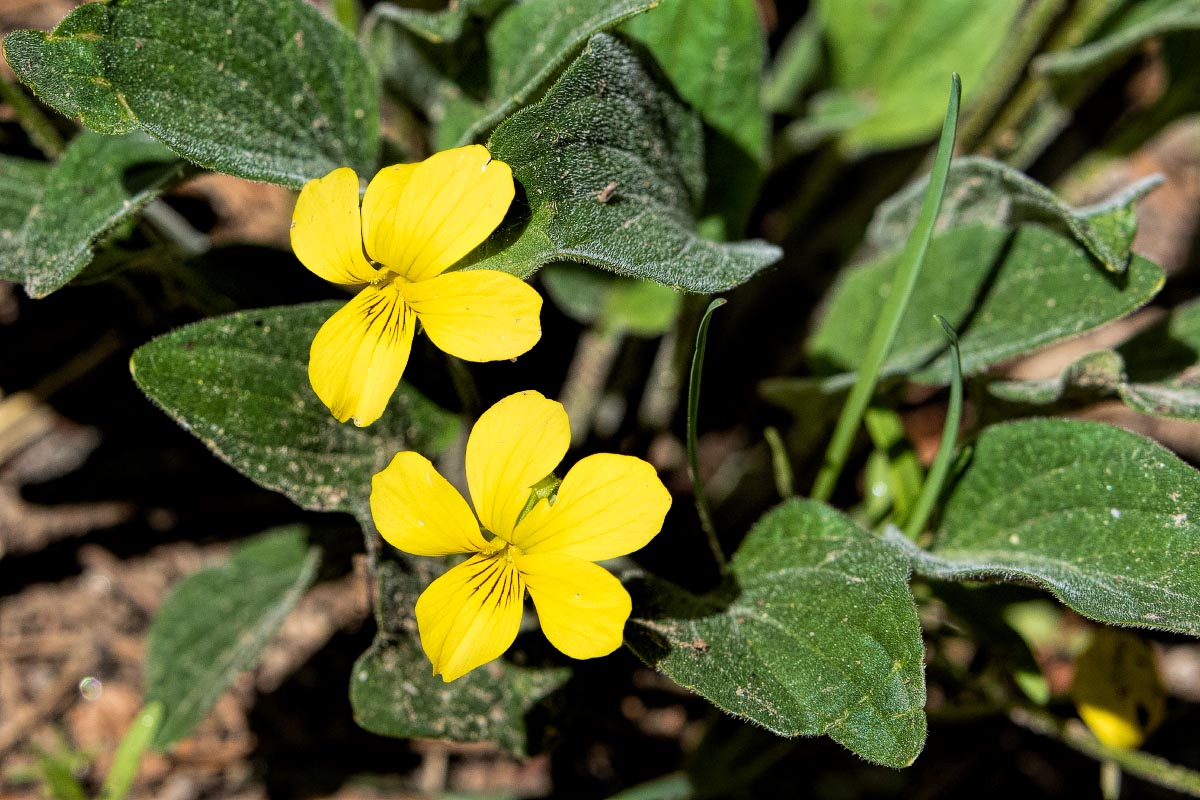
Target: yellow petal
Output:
[
  {"x": 421, "y": 219},
  {"x": 417, "y": 510},
  {"x": 513, "y": 445},
  {"x": 478, "y": 315},
  {"x": 607, "y": 506},
  {"x": 358, "y": 355},
  {"x": 326, "y": 232},
  {"x": 582, "y": 607},
  {"x": 470, "y": 615}
]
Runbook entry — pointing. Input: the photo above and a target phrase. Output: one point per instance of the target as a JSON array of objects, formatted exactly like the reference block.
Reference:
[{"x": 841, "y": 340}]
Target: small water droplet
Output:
[
  {"x": 91, "y": 688},
  {"x": 1116, "y": 514}
]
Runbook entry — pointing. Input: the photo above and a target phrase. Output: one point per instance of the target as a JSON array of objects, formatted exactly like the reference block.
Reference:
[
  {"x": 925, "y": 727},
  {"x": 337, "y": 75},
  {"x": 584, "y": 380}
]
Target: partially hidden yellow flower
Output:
[
  {"x": 607, "y": 505},
  {"x": 416, "y": 221}
]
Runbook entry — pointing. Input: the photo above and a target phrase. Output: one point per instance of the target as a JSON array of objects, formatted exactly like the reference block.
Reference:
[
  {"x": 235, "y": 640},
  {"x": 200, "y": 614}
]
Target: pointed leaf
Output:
[
  {"x": 820, "y": 636},
  {"x": 99, "y": 182},
  {"x": 240, "y": 384},
  {"x": 1006, "y": 293},
  {"x": 980, "y": 191},
  {"x": 612, "y": 171},
  {"x": 269, "y": 90},
  {"x": 394, "y": 692},
  {"x": 1156, "y": 372},
  {"x": 217, "y": 623},
  {"x": 1107, "y": 520}
]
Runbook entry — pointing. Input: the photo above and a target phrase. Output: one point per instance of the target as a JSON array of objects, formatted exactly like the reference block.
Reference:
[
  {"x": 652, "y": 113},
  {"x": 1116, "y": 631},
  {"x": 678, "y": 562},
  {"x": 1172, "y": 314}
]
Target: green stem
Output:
[
  {"x": 781, "y": 465},
  {"x": 31, "y": 119},
  {"x": 702, "y": 508},
  {"x": 894, "y": 307},
  {"x": 941, "y": 462},
  {"x": 1150, "y": 768},
  {"x": 129, "y": 753}
]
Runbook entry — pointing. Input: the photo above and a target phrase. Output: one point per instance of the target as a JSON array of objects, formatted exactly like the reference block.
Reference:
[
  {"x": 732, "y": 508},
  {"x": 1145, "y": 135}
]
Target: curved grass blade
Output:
[
  {"x": 702, "y": 508},
  {"x": 941, "y": 462}
]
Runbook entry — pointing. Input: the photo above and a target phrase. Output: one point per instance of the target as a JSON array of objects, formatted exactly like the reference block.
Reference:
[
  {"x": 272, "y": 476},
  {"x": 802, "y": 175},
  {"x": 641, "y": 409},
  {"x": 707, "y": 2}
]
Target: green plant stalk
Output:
[
  {"x": 31, "y": 119},
  {"x": 129, "y": 753},
  {"x": 693, "y": 409},
  {"x": 945, "y": 454},
  {"x": 781, "y": 466},
  {"x": 894, "y": 307},
  {"x": 1148, "y": 767}
]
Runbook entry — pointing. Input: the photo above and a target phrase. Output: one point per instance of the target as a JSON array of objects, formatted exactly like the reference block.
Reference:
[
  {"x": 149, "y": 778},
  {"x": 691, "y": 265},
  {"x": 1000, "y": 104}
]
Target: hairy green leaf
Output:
[
  {"x": 1007, "y": 293},
  {"x": 217, "y": 623},
  {"x": 21, "y": 183},
  {"x": 980, "y": 191},
  {"x": 264, "y": 89},
  {"x": 612, "y": 168},
  {"x": 898, "y": 54},
  {"x": 714, "y": 52},
  {"x": 1105, "y": 519},
  {"x": 240, "y": 384},
  {"x": 819, "y": 635},
  {"x": 99, "y": 182},
  {"x": 1156, "y": 372},
  {"x": 394, "y": 692}
]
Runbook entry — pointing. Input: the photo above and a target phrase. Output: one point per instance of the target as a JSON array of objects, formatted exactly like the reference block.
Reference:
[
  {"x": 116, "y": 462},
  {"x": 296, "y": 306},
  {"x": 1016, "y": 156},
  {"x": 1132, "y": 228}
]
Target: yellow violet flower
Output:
[
  {"x": 416, "y": 221},
  {"x": 607, "y": 505}
]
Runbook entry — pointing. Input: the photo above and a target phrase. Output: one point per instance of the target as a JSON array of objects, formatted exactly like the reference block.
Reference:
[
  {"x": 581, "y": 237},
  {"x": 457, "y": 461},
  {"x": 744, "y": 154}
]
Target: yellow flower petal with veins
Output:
[
  {"x": 470, "y": 615},
  {"x": 358, "y": 355},
  {"x": 581, "y": 606},
  {"x": 326, "y": 232},
  {"x": 478, "y": 315},
  {"x": 607, "y": 504},
  {"x": 419, "y": 512},
  {"x": 423, "y": 218},
  {"x": 416, "y": 221}
]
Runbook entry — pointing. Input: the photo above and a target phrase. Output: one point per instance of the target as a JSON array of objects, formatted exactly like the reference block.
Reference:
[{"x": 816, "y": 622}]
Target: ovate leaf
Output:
[
  {"x": 1007, "y": 293},
  {"x": 394, "y": 692},
  {"x": 819, "y": 636},
  {"x": 612, "y": 168},
  {"x": 714, "y": 52},
  {"x": 99, "y": 182},
  {"x": 1105, "y": 519},
  {"x": 217, "y": 622},
  {"x": 898, "y": 53},
  {"x": 1156, "y": 372},
  {"x": 240, "y": 384},
  {"x": 980, "y": 191},
  {"x": 269, "y": 90}
]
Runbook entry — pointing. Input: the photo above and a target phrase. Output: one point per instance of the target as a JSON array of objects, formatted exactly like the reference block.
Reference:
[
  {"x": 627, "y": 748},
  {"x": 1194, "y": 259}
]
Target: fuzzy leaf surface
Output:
[
  {"x": 1006, "y": 292},
  {"x": 99, "y": 182},
  {"x": 612, "y": 168},
  {"x": 1157, "y": 372},
  {"x": 269, "y": 90},
  {"x": 21, "y": 183},
  {"x": 980, "y": 191},
  {"x": 714, "y": 52},
  {"x": 240, "y": 384},
  {"x": 820, "y": 635},
  {"x": 217, "y": 622},
  {"x": 1107, "y": 520}
]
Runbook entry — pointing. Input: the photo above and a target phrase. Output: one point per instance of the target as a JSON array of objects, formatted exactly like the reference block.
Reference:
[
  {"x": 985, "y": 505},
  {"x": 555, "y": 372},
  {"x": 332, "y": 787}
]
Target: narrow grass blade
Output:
[
  {"x": 941, "y": 462},
  {"x": 702, "y": 508}
]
